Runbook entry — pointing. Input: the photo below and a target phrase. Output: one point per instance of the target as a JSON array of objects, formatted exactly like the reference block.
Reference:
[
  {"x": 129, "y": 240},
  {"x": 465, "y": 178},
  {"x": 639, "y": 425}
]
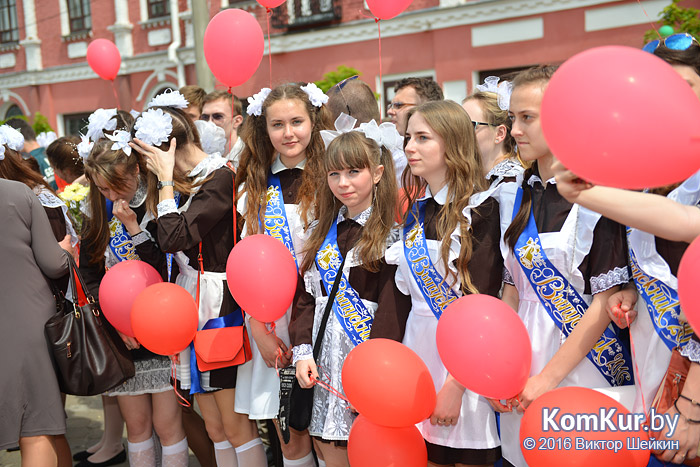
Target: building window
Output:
[
  {"x": 75, "y": 124},
  {"x": 8, "y": 22},
  {"x": 13, "y": 111},
  {"x": 158, "y": 8},
  {"x": 79, "y": 16}
]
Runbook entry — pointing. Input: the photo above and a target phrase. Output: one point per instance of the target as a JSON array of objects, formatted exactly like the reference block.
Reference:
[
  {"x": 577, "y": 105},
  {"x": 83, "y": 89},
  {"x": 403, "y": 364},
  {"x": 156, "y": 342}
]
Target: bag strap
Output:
[
  {"x": 75, "y": 274},
  {"x": 327, "y": 311}
]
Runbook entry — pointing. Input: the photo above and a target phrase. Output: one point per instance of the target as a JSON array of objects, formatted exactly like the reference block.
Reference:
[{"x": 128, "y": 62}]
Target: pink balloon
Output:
[
  {"x": 605, "y": 117},
  {"x": 165, "y": 318},
  {"x": 104, "y": 58},
  {"x": 271, "y": 3},
  {"x": 233, "y": 46},
  {"x": 119, "y": 288},
  {"x": 485, "y": 346},
  {"x": 262, "y": 277},
  {"x": 688, "y": 290},
  {"x": 387, "y": 9},
  {"x": 398, "y": 447}
]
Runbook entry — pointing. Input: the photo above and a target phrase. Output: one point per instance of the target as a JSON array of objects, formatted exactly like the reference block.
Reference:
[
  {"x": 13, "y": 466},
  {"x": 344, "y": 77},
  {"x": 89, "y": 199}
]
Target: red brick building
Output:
[{"x": 43, "y": 44}]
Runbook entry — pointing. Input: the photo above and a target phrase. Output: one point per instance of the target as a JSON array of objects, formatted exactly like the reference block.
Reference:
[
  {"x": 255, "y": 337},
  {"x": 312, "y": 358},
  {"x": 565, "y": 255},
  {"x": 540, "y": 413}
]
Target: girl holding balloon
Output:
[
  {"x": 201, "y": 234},
  {"x": 146, "y": 401},
  {"x": 277, "y": 186},
  {"x": 444, "y": 162},
  {"x": 354, "y": 225},
  {"x": 661, "y": 224},
  {"x": 577, "y": 248}
]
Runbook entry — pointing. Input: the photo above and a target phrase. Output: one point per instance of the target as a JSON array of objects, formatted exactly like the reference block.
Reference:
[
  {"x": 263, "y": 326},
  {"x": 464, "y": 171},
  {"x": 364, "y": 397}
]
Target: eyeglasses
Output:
[
  {"x": 217, "y": 117},
  {"x": 680, "y": 41},
  {"x": 476, "y": 124},
  {"x": 340, "y": 87},
  {"x": 397, "y": 105}
]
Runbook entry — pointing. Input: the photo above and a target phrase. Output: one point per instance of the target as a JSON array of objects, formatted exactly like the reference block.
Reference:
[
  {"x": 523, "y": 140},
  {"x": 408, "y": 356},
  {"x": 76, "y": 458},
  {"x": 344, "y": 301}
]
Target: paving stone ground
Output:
[{"x": 84, "y": 429}]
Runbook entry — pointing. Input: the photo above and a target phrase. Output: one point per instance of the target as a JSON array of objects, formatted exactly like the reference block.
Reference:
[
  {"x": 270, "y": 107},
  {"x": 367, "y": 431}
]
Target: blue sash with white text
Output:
[
  {"x": 351, "y": 312},
  {"x": 119, "y": 239},
  {"x": 436, "y": 291},
  {"x": 274, "y": 222},
  {"x": 564, "y": 305},
  {"x": 662, "y": 303}
]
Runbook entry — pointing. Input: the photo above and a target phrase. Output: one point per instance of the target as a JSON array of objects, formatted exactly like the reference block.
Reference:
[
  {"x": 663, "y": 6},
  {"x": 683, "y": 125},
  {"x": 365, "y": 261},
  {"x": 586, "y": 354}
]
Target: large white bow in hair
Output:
[{"x": 384, "y": 135}]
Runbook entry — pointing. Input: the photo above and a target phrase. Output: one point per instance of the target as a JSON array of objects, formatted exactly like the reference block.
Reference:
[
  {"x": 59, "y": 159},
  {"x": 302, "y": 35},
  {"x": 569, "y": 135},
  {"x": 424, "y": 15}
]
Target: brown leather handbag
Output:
[{"x": 89, "y": 357}]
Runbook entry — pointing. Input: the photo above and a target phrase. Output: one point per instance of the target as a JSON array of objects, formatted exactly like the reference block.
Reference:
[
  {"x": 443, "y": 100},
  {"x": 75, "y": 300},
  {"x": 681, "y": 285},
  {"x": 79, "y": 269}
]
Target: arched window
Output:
[{"x": 13, "y": 111}]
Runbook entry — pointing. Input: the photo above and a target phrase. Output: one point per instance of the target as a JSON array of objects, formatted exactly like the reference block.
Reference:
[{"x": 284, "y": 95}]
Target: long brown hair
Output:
[
  {"x": 258, "y": 155},
  {"x": 464, "y": 178},
  {"x": 63, "y": 155},
  {"x": 354, "y": 150},
  {"x": 13, "y": 167},
  {"x": 535, "y": 75}
]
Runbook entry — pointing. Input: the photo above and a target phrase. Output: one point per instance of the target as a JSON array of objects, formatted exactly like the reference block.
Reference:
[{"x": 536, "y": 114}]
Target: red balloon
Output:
[
  {"x": 262, "y": 277},
  {"x": 164, "y": 318},
  {"x": 372, "y": 445},
  {"x": 484, "y": 344},
  {"x": 271, "y": 3},
  {"x": 233, "y": 65},
  {"x": 688, "y": 290},
  {"x": 387, "y": 9},
  {"x": 388, "y": 383},
  {"x": 119, "y": 288},
  {"x": 567, "y": 446},
  {"x": 601, "y": 115},
  {"x": 104, "y": 58}
]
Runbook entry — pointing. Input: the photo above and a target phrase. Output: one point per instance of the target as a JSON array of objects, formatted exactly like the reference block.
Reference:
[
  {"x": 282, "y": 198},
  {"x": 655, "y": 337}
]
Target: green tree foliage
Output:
[
  {"x": 679, "y": 18},
  {"x": 332, "y": 78},
  {"x": 40, "y": 125}
]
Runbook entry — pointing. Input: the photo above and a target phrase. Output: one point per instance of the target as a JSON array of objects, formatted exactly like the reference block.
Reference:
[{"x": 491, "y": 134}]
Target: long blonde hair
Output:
[
  {"x": 464, "y": 178},
  {"x": 354, "y": 150}
]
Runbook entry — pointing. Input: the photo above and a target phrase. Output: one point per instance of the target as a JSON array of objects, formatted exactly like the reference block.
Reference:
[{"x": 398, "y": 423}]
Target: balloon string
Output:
[
  {"x": 269, "y": 46},
  {"x": 116, "y": 96},
  {"x": 181, "y": 400},
  {"x": 636, "y": 368},
  {"x": 233, "y": 114},
  {"x": 379, "y": 31},
  {"x": 330, "y": 388},
  {"x": 651, "y": 23}
]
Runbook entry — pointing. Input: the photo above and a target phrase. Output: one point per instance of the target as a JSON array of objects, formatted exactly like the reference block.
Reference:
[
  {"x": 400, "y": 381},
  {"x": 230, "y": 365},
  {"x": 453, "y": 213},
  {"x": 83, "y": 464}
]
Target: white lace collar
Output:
[
  {"x": 278, "y": 166},
  {"x": 207, "y": 166},
  {"x": 534, "y": 178},
  {"x": 440, "y": 197},
  {"x": 505, "y": 168},
  {"x": 361, "y": 218},
  {"x": 140, "y": 195}
]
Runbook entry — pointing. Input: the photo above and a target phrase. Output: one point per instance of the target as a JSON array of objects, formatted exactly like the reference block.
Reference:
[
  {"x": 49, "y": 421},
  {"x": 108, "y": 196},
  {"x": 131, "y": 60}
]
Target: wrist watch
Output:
[{"x": 161, "y": 185}]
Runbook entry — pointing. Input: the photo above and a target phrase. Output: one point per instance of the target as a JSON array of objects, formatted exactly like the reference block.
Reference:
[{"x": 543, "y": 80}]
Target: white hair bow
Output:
[
  {"x": 343, "y": 124},
  {"x": 316, "y": 96},
  {"x": 255, "y": 103},
  {"x": 45, "y": 138},
  {"x": 100, "y": 120},
  {"x": 169, "y": 98},
  {"x": 12, "y": 138},
  {"x": 154, "y": 127},
  {"x": 85, "y": 147},
  {"x": 121, "y": 140},
  {"x": 384, "y": 135},
  {"x": 212, "y": 137},
  {"x": 503, "y": 89}
]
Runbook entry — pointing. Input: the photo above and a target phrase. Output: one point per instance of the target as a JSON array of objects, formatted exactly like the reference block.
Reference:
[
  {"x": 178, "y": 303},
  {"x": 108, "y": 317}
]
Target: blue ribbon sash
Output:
[
  {"x": 119, "y": 239},
  {"x": 437, "y": 293},
  {"x": 662, "y": 304},
  {"x": 228, "y": 321},
  {"x": 351, "y": 312},
  {"x": 274, "y": 222},
  {"x": 564, "y": 305}
]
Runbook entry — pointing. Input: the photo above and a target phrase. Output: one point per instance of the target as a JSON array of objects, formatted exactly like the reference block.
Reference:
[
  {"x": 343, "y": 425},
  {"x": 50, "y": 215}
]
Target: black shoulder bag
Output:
[
  {"x": 90, "y": 358},
  {"x": 295, "y": 402}
]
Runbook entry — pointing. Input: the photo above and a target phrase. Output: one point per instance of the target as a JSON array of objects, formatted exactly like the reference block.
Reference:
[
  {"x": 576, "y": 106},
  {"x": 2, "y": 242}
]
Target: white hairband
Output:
[
  {"x": 255, "y": 103},
  {"x": 169, "y": 98},
  {"x": 503, "y": 89}
]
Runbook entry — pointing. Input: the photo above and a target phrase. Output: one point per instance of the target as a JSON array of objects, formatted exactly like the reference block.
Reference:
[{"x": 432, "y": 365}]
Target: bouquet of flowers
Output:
[{"x": 75, "y": 195}]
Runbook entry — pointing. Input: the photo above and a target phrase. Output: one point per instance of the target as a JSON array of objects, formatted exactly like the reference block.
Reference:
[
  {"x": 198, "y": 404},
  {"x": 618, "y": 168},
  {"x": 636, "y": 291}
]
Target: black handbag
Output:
[
  {"x": 89, "y": 356},
  {"x": 296, "y": 402}
]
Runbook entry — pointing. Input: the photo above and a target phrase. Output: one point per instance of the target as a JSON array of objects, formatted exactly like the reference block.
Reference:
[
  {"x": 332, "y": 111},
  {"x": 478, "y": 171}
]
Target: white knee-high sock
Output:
[
  {"x": 252, "y": 454},
  {"x": 176, "y": 455},
  {"x": 225, "y": 454},
  {"x": 306, "y": 461},
  {"x": 142, "y": 454}
]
